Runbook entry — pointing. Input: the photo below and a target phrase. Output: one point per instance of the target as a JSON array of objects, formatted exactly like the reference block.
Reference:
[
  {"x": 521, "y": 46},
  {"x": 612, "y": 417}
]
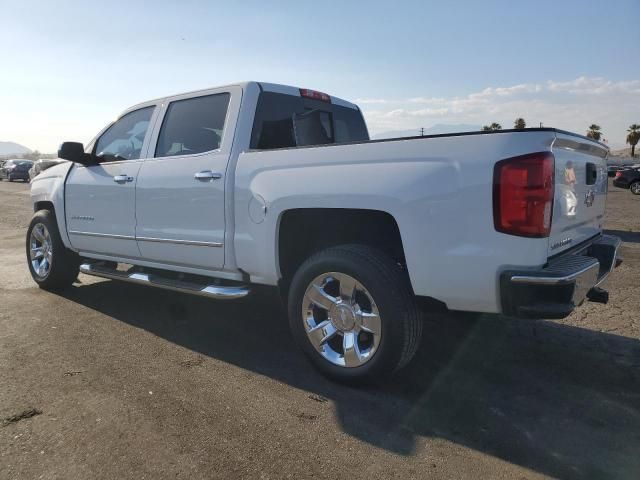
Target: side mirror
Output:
[{"x": 74, "y": 152}]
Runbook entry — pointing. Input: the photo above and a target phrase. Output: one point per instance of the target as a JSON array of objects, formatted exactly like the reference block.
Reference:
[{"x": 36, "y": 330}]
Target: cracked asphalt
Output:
[{"x": 114, "y": 381}]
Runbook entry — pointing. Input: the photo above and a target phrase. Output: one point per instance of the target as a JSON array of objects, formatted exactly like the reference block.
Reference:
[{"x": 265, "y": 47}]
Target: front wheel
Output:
[
  {"x": 635, "y": 188},
  {"x": 52, "y": 265},
  {"x": 352, "y": 311}
]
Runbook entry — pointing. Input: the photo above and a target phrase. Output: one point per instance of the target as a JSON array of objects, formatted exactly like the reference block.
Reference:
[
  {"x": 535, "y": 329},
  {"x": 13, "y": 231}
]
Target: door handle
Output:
[
  {"x": 207, "y": 175},
  {"x": 122, "y": 179}
]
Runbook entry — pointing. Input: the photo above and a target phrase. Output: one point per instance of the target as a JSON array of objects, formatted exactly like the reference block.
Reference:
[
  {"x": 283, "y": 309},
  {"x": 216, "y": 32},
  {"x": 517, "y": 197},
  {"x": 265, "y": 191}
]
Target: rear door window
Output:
[
  {"x": 284, "y": 121},
  {"x": 194, "y": 125}
]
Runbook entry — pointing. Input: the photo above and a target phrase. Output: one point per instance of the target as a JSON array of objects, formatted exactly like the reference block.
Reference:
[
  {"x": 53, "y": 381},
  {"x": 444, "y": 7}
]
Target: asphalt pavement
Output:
[{"x": 116, "y": 381}]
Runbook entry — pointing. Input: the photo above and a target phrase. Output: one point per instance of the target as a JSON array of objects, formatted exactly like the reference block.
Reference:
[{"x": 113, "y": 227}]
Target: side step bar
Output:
[{"x": 219, "y": 292}]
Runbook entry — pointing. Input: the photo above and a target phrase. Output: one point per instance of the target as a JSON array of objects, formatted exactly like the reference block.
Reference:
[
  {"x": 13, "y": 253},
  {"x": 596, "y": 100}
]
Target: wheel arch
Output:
[
  {"x": 44, "y": 205},
  {"x": 301, "y": 232}
]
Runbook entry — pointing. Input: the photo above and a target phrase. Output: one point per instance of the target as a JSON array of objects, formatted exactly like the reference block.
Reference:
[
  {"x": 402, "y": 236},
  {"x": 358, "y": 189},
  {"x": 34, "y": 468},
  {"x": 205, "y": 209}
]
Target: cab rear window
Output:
[{"x": 285, "y": 121}]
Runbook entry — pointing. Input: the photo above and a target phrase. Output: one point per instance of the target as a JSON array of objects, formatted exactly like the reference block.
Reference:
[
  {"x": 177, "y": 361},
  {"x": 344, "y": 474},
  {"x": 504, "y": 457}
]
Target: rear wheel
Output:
[
  {"x": 51, "y": 264},
  {"x": 635, "y": 188},
  {"x": 352, "y": 311}
]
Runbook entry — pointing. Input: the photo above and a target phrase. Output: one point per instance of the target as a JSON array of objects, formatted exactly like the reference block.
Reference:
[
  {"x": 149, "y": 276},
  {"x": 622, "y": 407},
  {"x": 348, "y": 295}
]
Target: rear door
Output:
[
  {"x": 180, "y": 207},
  {"x": 580, "y": 191},
  {"x": 100, "y": 199}
]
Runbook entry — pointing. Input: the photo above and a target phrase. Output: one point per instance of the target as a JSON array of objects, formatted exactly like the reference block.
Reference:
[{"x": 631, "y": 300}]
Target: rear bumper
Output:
[
  {"x": 555, "y": 290},
  {"x": 18, "y": 175},
  {"x": 621, "y": 183}
]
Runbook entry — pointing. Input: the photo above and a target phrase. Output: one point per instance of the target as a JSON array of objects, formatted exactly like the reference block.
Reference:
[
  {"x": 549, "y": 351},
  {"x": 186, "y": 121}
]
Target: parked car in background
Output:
[
  {"x": 613, "y": 169},
  {"x": 629, "y": 178},
  {"x": 17, "y": 169},
  {"x": 41, "y": 165}
]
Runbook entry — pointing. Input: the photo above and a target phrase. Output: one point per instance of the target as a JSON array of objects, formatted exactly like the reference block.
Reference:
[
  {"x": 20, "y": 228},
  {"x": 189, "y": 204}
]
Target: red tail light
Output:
[
  {"x": 523, "y": 195},
  {"x": 618, "y": 174},
  {"x": 323, "y": 97}
]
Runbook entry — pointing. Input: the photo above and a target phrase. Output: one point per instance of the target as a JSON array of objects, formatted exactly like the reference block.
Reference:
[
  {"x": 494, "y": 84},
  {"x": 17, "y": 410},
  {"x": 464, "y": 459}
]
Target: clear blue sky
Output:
[{"x": 70, "y": 67}]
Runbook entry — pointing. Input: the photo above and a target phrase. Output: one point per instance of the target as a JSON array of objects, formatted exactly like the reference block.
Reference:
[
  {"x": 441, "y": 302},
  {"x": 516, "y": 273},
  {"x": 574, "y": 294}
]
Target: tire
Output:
[
  {"x": 62, "y": 264},
  {"x": 635, "y": 188},
  {"x": 381, "y": 288}
]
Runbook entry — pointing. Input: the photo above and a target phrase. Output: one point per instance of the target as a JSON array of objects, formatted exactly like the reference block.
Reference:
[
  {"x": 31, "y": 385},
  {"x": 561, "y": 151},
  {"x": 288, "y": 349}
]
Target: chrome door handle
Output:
[
  {"x": 122, "y": 179},
  {"x": 207, "y": 175}
]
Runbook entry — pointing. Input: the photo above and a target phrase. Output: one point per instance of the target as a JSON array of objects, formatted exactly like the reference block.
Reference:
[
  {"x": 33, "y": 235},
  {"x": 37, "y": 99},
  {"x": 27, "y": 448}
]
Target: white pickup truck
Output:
[{"x": 212, "y": 191}]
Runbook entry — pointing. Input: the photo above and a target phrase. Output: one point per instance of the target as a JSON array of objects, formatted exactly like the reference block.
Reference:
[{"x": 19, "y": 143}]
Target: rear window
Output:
[{"x": 284, "y": 121}]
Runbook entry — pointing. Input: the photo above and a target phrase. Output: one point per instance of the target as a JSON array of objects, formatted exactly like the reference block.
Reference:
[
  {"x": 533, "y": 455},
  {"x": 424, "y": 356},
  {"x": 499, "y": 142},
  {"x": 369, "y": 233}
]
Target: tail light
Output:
[
  {"x": 618, "y": 174},
  {"x": 523, "y": 195}
]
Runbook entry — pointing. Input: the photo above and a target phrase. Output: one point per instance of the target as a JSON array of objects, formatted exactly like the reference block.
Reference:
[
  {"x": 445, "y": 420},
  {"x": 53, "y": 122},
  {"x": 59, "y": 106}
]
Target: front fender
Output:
[{"x": 49, "y": 187}]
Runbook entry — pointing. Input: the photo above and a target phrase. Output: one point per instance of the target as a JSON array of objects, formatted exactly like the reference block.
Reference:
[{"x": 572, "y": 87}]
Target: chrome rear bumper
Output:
[{"x": 563, "y": 284}]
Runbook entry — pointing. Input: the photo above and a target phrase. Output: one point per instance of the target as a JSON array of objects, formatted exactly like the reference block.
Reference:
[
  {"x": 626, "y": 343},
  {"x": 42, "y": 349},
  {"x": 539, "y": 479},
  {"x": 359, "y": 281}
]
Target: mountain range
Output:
[
  {"x": 12, "y": 148},
  {"x": 437, "y": 129}
]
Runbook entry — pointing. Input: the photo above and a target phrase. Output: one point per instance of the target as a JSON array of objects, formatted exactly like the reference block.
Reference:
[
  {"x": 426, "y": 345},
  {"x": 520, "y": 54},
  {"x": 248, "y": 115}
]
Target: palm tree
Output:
[
  {"x": 594, "y": 132},
  {"x": 519, "y": 124},
  {"x": 492, "y": 128},
  {"x": 633, "y": 137}
]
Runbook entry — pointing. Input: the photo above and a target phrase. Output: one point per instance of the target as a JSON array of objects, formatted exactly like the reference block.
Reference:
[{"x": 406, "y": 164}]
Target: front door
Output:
[
  {"x": 100, "y": 199},
  {"x": 180, "y": 207}
]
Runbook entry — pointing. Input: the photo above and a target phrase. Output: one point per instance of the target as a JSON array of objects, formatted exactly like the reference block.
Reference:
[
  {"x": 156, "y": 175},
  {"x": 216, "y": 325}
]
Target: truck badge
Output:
[{"x": 589, "y": 197}]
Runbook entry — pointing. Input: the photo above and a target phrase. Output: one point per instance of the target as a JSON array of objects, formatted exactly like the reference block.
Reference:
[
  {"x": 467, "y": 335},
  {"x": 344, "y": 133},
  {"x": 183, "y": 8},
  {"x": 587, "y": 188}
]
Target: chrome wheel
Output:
[
  {"x": 40, "y": 250},
  {"x": 341, "y": 319},
  {"x": 635, "y": 188}
]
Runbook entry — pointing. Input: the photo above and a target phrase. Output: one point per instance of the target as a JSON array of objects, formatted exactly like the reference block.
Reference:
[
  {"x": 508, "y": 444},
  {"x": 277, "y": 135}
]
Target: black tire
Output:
[
  {"x": 636, "y": 190},
  {"x": 65, "y": 264},
  {"x": 388, "y": 284}
]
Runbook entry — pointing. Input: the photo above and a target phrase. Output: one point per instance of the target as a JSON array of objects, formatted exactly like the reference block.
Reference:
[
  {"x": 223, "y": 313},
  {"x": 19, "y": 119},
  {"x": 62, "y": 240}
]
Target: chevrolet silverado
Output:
[{"x": 214, "y": 191}]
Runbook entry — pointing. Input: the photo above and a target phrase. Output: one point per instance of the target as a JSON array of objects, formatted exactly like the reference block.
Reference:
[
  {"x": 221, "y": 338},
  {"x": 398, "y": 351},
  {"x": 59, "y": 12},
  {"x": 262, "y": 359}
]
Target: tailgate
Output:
[{"x": 580, "y": 191}]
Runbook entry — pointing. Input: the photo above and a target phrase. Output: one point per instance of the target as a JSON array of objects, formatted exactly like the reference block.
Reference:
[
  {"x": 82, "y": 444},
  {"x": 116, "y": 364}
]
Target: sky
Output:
[{"x": 68, "y": 68}]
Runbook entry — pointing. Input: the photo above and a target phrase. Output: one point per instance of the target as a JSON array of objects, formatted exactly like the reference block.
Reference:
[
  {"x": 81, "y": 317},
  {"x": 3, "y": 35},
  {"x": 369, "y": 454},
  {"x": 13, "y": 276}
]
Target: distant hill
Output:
[
  {"x": 624, "y": 152},
  {"x": 438, "y": 129},
  {"x": 12, "y": 148},
  {"x": 623, "y": 156}
]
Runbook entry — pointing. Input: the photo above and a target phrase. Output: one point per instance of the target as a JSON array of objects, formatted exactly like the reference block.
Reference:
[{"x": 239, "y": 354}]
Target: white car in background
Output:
[{"x": 41, "y": 165}]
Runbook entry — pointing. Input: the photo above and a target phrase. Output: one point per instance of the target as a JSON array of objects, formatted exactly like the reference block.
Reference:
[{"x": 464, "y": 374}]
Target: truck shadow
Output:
[
  {"x": 625, "y": 235},
  {"x": 560, "y": 400}
]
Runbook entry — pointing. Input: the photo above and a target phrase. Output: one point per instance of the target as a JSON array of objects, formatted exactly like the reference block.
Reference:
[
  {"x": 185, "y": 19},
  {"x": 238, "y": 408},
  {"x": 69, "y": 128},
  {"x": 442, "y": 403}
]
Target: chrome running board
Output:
[{"x": 219, "y": 292}]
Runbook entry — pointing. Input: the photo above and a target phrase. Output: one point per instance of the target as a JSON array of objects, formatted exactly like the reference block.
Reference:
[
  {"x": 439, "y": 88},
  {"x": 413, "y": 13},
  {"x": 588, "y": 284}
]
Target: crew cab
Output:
[{"x": 214, "y": 191}]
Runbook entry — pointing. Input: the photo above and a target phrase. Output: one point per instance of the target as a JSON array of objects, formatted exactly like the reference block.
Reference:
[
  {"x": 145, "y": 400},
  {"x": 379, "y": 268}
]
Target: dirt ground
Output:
[{"x": 114, "y": 381}]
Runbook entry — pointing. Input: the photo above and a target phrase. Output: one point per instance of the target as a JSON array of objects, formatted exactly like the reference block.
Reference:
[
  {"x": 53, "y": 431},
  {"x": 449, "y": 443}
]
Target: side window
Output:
[
  {"x": 194, "y": 125},
  {"x": 123, "y": 140}
]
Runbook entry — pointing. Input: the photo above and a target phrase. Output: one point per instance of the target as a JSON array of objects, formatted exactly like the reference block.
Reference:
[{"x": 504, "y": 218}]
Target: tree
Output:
[
  {"x": 492, "y": 128},
  {"x": 35, "y": 155},
  {"x": 633, "y": 137},
  {"x": 519, "y": 124},
  {"x": 594, "y": 132}
]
